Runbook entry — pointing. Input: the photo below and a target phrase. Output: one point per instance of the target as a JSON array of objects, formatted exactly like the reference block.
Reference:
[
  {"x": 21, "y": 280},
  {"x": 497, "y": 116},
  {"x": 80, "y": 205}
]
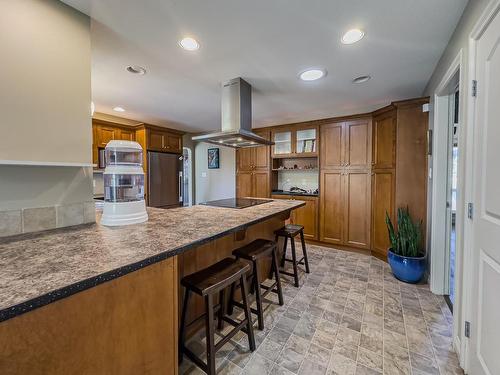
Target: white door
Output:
[{"x": 484, "y": 356}]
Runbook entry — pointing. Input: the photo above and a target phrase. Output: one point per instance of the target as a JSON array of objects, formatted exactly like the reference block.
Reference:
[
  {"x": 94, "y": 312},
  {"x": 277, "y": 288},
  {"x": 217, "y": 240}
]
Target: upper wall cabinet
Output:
[
  {"x": 163, "y": 141},
  {"x": 346, "y": 144},
  {"x": 296, "y": 141}
]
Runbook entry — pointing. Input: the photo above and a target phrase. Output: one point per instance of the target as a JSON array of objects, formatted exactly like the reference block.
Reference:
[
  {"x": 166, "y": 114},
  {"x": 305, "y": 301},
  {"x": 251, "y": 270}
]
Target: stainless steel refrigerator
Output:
[{"x": 164, "y": 180}]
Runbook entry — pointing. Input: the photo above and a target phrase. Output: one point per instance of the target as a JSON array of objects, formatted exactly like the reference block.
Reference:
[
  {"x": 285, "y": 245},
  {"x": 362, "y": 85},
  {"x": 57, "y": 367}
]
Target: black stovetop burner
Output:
[{"x": 236, "y": 202}]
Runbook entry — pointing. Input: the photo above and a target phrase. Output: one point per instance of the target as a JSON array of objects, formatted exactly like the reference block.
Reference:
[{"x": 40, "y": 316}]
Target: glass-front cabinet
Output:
[
  {"x": 295, "y": 141},
  {"x": 282, "y": 142}
]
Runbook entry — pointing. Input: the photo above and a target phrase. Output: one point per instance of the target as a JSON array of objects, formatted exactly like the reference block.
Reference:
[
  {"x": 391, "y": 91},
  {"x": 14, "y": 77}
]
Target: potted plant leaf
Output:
[{"x": 406, "y": 256}]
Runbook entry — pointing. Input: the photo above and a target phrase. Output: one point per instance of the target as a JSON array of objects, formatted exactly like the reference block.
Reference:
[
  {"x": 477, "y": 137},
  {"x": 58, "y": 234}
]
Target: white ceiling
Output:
[{"x": 267, "y": 42}]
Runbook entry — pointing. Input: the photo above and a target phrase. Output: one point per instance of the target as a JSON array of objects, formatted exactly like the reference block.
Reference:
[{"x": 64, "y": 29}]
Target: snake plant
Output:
[{"x": 407, "y": 240}]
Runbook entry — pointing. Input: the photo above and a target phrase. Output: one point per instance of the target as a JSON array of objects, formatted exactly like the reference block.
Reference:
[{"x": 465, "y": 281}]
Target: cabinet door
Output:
[
  {"x": 173, "y": 142},
  {"x": 244, "y": 184},
  {"x": 282, "y": 143},
  {"x": 306, "y": 140},
  {"x": 384, "y": 141},
  {"x": 382, "y": 202},
  {"x": 261, "y": 185},
  {"x": 307, "y": 216},
  {"x": 332, "y": 145},
  {"x": 358, "y": 144},
  {"x": 106, "y": 134},
  {"x": 261, "y": 154},
  {"x": 245, "y": 159},
  {"x": 156, "y": 140},
  {"x": 332, "y": 207},
  {"x": 357, "y": 214},
  {"x": 127, "y": 135}
]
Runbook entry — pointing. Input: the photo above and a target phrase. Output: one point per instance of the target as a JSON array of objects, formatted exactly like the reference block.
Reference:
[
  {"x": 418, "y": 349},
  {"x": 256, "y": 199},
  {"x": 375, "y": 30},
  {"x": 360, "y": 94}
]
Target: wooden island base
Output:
[{"x": 128, "y": 325}]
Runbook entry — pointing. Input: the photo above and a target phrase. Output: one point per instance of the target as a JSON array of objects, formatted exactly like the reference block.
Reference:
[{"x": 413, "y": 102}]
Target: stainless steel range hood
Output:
[{"x": 236, "y": 118}]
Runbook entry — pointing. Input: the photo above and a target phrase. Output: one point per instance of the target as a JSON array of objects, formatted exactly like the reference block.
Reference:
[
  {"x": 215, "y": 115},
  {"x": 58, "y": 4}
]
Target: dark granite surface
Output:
[{"x": 39, "y": 268}]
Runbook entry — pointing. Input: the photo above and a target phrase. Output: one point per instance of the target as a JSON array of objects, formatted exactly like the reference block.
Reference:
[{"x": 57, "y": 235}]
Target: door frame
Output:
[
  {"x": 439, "y": 267},
  {"x": 490, "y": 12}
]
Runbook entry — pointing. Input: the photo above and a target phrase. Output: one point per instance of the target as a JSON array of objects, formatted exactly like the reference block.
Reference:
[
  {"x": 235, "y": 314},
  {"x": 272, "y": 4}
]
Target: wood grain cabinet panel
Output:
[
  {"x": 358, "y": 143},
  {"x": 307, "y": 216},
  {"x": 260, "y": 181},
  {"x": 245, "y": 159},
  {"x": 106, "y": 134},
  {"x": 127, "y": 135},
  {"x": 384, "y": 140},
  {"x": 244, "y": 184},
  {"x": 173, "y": 143},
  {"x": 332, "y": 145},
  {"x": 156, "y": 140},
  {"x": 357, "y": 215},
  {"x": 332, "y": 207},
  {"x": 382, "y": 202}
]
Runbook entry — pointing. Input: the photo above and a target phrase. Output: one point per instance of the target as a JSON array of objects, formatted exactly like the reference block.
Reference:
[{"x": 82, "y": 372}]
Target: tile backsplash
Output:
[
  {"x": 36, "y": 219},
  {"x": 301, "y": 179}
]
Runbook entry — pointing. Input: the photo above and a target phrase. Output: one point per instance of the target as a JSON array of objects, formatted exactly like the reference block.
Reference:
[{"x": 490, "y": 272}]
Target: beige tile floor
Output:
[{"x": 350, "y": 316}]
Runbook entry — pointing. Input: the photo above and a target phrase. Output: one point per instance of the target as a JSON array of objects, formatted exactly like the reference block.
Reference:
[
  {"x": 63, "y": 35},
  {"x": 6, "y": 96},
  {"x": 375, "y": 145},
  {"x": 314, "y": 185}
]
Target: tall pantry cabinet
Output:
[
  {"x": 345, "y": 179},
  {"x": 399, "y": 171}
]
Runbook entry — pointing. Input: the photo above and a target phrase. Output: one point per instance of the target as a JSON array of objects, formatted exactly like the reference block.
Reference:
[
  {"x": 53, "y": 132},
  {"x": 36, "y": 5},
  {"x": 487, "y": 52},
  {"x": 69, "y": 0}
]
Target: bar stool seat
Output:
[
  {"x": 290, "y": 231},
  {"x": 253, "y": 252},
  {"x": 208, "y": 283}
]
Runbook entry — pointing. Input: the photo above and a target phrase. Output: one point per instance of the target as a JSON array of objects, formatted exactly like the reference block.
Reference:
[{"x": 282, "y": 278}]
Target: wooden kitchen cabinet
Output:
[
  {"x": 384, "y": 140},
  {"x": 253, "y": 177},
  {"x": 306, "y": 215},
  {"x": 163, "y": 141},
  {"x": 300, "y": 140},
  {"x": 332, "y": 207},
  {"x": 383, "y": 186},
  {"x": 345, "y": 180}
]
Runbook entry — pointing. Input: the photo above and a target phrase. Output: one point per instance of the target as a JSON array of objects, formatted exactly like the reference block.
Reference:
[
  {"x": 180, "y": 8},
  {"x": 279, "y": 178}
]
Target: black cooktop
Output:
[{"x": 236, "y": 202}]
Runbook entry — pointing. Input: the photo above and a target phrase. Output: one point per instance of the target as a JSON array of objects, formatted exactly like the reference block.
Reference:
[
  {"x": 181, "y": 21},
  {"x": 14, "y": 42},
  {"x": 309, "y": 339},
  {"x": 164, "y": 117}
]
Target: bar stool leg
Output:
[
  {"x": 294, "y": 262},
  {"x": 258, "y": 295},
  {"x": 284, "y": 252},
  {"x": 222, "y": 309},
  {"x": 277, "y": 275},
  {"x": 210, "y": 332},
  {"x": 306, "y": 261},
  {"x": 182, "y": 334},
  {"x": 248, "y": 314},
  {"x": 230, "y": 306}
]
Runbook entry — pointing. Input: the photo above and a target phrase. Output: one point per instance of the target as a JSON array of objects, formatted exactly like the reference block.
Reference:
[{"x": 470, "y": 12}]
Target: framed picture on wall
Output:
[{"x": 213, "y": 158}]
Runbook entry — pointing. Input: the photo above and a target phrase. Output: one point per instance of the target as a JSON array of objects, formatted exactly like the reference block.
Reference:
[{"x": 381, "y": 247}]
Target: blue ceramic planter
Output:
[{"x": 409, "y": 270}]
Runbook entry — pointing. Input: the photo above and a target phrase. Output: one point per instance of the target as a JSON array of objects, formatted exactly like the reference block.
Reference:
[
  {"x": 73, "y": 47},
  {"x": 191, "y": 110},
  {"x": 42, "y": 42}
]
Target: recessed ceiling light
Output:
[
  {"x": 353, "y": 36},
  {"x": 136, "y": 69},
  {"x": 312, "y": 74},
  {"x": 119, "y": 109},
  {"x": 189, "y": 44},
  {"x": 361, "y": 79}
]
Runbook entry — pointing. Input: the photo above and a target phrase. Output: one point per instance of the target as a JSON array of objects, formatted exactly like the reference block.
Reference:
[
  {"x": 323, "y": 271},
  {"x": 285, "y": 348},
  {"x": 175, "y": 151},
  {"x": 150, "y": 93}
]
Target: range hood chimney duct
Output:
[{"x": 236, "y": 107}]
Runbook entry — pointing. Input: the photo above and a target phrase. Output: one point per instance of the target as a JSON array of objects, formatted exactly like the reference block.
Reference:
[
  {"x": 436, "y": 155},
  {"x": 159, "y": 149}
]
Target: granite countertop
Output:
[{"x": 40, "y": 268}]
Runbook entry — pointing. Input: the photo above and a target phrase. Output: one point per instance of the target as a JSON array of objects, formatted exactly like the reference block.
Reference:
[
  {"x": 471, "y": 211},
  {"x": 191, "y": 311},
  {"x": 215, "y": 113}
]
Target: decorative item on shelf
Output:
[
  {"x": 406, "y": 256},
  {"x": 213, "y": 158},
  {"x": 124, "y": 202}
]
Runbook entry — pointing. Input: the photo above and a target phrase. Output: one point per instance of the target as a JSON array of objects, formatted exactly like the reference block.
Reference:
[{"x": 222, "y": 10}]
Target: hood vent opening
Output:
[{"x": 236, "y": 107}]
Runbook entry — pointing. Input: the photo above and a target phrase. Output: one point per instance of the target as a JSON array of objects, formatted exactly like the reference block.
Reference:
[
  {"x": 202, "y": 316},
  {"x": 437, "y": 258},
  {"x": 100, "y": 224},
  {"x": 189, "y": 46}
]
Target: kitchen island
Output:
[{"x": 100, "y": 300}]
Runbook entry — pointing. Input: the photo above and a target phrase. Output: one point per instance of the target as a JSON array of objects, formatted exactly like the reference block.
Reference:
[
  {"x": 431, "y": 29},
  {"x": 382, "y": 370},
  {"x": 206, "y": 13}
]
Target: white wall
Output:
[
  {"x": 45, "y": 82},
  {"x": 214, "y": 184},
  {"x": 45, "y": 99}
]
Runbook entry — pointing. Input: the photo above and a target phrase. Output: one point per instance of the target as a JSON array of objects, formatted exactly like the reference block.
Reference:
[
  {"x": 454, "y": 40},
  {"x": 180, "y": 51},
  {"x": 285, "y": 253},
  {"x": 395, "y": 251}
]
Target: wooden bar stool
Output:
[
  {"x": 208, "y": 283},
  {"x": 253, "y": 252},
  {"x": 289, "y": 231}
]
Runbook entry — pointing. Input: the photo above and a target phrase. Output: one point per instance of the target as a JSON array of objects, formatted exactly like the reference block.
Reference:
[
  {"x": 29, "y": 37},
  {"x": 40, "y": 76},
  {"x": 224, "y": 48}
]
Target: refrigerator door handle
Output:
[{"x": 180, "y": 187}]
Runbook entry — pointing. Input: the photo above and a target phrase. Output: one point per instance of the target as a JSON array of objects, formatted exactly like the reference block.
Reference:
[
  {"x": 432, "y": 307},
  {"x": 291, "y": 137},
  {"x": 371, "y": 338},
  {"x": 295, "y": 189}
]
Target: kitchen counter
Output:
[{"x": 38, "y": 269}]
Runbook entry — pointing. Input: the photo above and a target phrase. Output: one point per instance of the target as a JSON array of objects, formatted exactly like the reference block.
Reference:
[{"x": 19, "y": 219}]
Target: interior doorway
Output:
[
  {"x": 451, "y": 201},
  {"x": 187, "y": 181}
]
